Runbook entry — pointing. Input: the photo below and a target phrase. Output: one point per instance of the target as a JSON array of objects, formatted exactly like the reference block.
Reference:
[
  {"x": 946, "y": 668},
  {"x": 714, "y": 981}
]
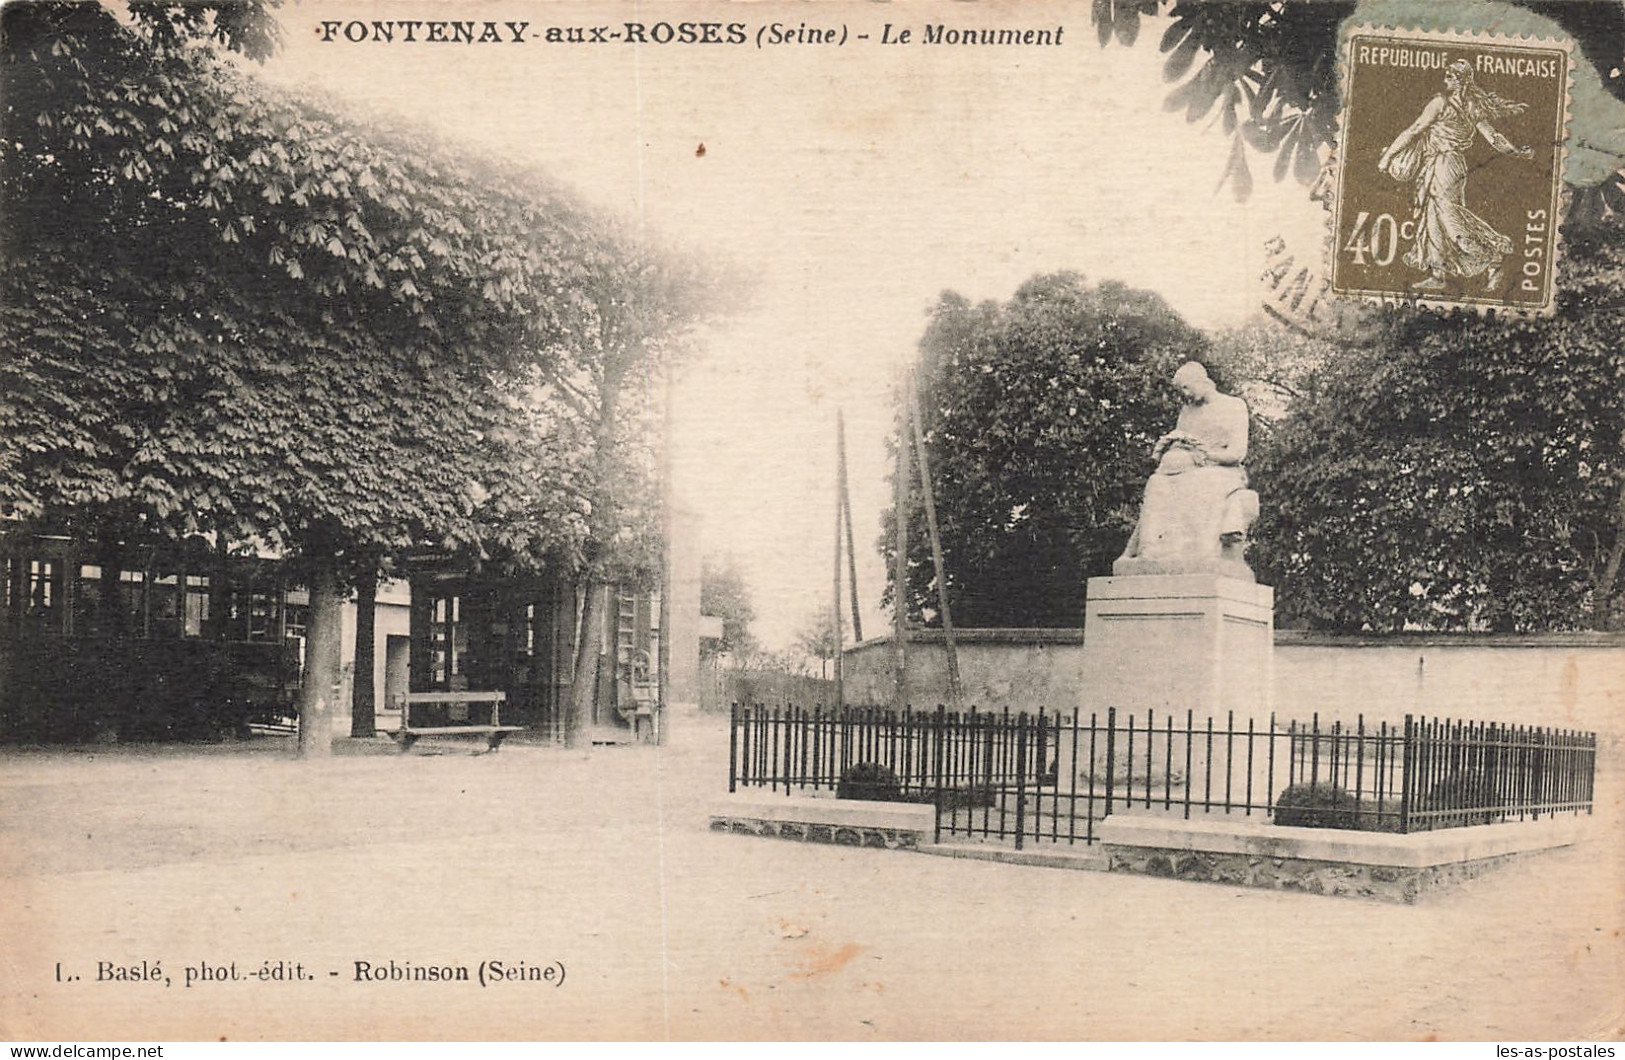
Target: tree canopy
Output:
[
  {"x": 1039, "y": 416},
  {"x": 153, "y": 134},
  {"x": 1266, "y": 73},
  {"x": 1462, "y": 472},
  {"x": 281, "y": 324}
]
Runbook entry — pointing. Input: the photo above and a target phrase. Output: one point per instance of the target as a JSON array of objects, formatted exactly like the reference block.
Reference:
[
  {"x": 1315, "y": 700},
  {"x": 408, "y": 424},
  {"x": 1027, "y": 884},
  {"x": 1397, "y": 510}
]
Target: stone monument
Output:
[{"x": 1182, "y": 624}]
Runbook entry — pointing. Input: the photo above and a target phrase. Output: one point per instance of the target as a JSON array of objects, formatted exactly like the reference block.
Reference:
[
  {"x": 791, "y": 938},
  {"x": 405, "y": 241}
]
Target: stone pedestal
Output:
[{"x": 1177, "y": 642}]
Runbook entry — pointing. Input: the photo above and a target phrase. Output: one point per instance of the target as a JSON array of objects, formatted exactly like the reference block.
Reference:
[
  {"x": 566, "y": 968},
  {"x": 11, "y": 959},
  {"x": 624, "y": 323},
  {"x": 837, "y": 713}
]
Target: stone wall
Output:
[
  {"x": 1392, "y": 883},
  {"x": 1386, "y": 866},
  {"x": 810, "y": 832},
  {"x": 848, "y": 822},
  {"x": 1565, "y": 680},
  {"x": 1022, "y": 669}
]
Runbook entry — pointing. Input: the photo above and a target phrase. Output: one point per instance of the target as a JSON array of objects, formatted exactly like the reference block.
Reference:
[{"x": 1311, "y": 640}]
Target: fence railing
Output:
[{"x": 1044, "y": 776}]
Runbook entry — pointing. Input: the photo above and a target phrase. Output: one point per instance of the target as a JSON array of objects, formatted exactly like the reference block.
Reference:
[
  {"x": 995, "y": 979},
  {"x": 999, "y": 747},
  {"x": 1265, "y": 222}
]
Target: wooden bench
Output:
[{"x": 454, "y": 713}]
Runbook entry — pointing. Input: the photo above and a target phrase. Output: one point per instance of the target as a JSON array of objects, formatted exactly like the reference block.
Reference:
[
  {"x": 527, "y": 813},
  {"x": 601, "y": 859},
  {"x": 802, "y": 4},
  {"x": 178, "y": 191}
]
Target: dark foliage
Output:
[
  {"x": 1329, "y": 806},
  {"x": 1461, "y": 473},
  {"x": 1265, "y": 73},
  {"x": 869, "y": 780},
  {"x": 1039, "y": 417},
  {"x": 1469, "y": 796}
]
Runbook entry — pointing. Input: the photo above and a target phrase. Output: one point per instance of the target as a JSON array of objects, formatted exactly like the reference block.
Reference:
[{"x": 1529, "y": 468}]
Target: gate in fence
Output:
[{"x": 1050, "y": 777}]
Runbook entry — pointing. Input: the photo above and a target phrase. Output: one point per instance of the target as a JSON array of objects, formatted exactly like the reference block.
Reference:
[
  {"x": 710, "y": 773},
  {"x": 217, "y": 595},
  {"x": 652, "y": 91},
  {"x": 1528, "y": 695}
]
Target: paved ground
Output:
[{"x": 603, "y": 862}]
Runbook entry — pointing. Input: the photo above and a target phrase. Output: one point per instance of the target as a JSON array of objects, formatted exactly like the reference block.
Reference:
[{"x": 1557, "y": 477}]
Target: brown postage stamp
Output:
[{"x": 1450, "y": 169}]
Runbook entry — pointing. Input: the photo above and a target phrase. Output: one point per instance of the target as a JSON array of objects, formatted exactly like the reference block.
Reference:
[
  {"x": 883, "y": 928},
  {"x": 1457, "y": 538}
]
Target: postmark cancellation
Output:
[{"x": 1449, "y": 169}]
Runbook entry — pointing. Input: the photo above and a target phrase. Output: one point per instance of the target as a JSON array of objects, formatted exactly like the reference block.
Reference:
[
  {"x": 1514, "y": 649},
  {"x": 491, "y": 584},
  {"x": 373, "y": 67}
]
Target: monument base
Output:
[
  {"x": 1222, "y": 565},
  {"x": 1179, "y": 642}
]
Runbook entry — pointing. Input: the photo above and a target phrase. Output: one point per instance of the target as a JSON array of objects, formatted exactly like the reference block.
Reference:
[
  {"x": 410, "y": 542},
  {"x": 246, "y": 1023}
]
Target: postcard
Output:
[{"x": 541, "y": 521}]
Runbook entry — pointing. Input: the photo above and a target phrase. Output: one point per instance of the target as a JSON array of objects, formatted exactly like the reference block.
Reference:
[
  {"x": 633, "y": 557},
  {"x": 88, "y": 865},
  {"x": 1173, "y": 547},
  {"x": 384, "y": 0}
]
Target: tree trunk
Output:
[
  {"x": 363, "y": 716},
  {"x": 218, "y": 627},
  {"x": 110, "y": 603},
  {"x": 1604, "y": 593},
  {"x": 584, "y": 688},
  {"x": 318, "y": 696}
]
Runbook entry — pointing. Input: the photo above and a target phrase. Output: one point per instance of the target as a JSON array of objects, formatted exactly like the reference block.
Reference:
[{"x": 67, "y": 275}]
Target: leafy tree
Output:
[
  {"x": 723, "y": 594},
  {"x": 642, "y": 306},
  {"x": 293, "y": 332},
  {"x": 1039, "y": 416},
  {"x": 1266, "y": 72},
  {"x": 816, "y": 639},
  {"x": 1462, "y": 473},
  {"x": 149, "y": 130}
]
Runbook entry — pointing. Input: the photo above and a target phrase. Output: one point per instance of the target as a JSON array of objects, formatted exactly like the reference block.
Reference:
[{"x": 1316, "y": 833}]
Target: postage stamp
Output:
[{"x": 1450, "y": 169}]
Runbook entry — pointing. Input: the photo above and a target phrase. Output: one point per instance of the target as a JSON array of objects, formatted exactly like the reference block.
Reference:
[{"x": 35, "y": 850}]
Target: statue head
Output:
[{"x": 1193, "y": 382}]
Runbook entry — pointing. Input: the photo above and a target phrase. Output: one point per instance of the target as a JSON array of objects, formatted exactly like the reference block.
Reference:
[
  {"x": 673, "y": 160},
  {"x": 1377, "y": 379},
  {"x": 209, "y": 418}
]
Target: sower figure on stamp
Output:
[
  {"x": 1197, "y": 508},
  {"x": 1432, "y": 154}
]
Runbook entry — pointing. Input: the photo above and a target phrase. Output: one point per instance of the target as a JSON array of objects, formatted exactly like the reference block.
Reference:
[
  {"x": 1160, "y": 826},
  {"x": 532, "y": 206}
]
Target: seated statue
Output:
[{"x": 1197, "y": 507}]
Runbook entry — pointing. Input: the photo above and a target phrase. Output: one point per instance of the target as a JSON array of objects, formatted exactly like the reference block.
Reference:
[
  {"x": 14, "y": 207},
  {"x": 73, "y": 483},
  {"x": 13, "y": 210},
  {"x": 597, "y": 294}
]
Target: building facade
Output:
[
  {"x": 521, "y": 635},
  {"x": 178, "y": 640},
  {"x": 145, "y": 641}
]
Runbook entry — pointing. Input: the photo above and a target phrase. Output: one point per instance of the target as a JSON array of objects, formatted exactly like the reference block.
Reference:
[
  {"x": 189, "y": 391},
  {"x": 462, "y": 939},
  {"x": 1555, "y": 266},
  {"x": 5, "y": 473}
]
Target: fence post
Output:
[
  {"x": 1021, "y": 776},
  {"x": 790, "y": 731},
  {"x": 936, "y": 754},
  {"x": 772, "y": 738},
  {"x": 1407, "y": 776},
  {"x": 1111, "y": 755},
  {"x": 1541, "y": 755},
  {"x": 1591, "y": 775},
  {"x": 1043, "y": 748},
  {"x": 733, "y": 745}
]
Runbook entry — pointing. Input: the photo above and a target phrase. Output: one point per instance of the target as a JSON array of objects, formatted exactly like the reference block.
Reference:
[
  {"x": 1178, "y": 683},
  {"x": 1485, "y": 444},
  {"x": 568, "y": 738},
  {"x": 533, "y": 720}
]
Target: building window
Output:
[
  {"x": 87, "y": 599},
  {"x": 164, "y": 606},
  {"x": 196, "y": 618},
  {"x": 448, "y": 642},
  {"x": 134, "y": 586},
  {"x": 626, "y": 627},
  {"x": 296, "y": 620},
  {"x": 262, "y": 616},
  {"x": 44, "y": 594}
]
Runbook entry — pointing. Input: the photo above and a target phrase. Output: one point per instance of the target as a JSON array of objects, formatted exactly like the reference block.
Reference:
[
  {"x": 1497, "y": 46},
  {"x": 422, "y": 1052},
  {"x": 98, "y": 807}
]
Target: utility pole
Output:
[
  {"x": 936, "y": 545},
  {"x": 846, "y": 507},
  {"x": 835, "y": 612},
  {"x": 899, "y": 618}
]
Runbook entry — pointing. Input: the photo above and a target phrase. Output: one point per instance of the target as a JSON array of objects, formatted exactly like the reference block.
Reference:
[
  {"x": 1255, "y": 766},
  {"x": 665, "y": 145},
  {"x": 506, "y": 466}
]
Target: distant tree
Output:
[
  {"x": 1463, "y": 472},
  {"x": 640, "y": 305},
  {"x": 1039, "y": 417},
  {"x": 1271, "y": 364},
  {"x": 816, "y": 639},
  {"x": 723, "y": 594}
]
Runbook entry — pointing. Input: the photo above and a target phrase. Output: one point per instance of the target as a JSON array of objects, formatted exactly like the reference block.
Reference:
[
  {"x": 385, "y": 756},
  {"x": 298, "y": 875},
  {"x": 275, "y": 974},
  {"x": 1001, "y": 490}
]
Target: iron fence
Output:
[{"x": 1046, "y": 776}]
